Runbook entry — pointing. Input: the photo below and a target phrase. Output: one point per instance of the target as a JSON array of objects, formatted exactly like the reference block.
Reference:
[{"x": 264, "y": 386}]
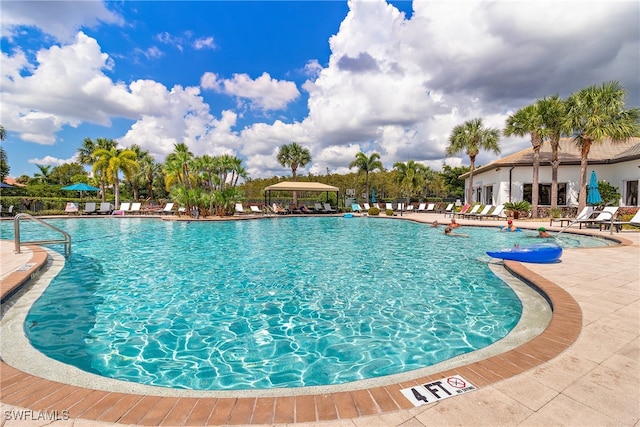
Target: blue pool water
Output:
[{"x": 284, "y": 302}]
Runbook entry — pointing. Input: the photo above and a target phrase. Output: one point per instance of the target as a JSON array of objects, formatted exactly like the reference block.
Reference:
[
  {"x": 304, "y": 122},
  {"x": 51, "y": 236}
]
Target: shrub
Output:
[
  {"x": 374, "y": 211},
  {"x": 388, "y": 212}
]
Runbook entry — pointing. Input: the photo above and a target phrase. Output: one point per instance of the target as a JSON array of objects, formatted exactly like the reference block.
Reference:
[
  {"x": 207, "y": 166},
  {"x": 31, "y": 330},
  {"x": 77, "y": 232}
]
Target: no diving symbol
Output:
[{"x": 456, "y": 382}]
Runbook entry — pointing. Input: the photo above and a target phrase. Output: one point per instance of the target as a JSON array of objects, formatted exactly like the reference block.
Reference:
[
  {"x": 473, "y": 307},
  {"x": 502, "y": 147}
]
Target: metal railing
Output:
[{"x": 16, "y": 231}]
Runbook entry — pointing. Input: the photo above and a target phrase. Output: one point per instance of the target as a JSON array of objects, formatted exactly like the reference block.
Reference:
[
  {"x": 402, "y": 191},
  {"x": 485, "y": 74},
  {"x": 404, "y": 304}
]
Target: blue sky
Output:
[{"x": 338, "y": 77}]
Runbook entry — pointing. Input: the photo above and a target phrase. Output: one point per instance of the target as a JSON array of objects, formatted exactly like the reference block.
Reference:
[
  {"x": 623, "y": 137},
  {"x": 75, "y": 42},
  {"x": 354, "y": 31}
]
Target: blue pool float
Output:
[
  {"x": 538, "y": 253},
  {"x": 348, "y": 215}
]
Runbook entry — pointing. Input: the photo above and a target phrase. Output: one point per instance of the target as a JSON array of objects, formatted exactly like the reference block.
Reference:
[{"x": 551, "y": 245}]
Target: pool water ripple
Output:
[{"x": 271, "y": 303}]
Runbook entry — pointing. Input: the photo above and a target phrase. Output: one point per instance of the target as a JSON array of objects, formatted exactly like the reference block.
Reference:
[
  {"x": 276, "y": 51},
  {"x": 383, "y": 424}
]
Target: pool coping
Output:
[{"x": 24, "y": 390}]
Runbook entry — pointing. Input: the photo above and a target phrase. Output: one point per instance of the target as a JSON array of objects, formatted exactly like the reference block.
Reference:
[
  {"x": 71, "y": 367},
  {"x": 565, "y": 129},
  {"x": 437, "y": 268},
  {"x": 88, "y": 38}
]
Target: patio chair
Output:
[
  {"x": 635, "y": 222},
  {"x": 586, "y": 213},
  {"x": 125, "y": 207},
  {"x": 462, "y": 211},
  {"x": 71, "y": 208},
  {"x": 255, "y": 209},
  {"x": 8, "y": 212},
  {"x": 356, "y": 207},
  {"x": 168, "y": 209},
  {"x": 135, "y": 208},
  {"x": 366, "y": 206},
  {"x": 105, "y": 208},
  {"x": 431, "y": 207},
  {"x": 89, "y": 208},
  {"x": 468, "y": 212},
  {"x": 603, "y": 216},
  {"x": 388, "y": 206},
  {"x": 329, "y": 209},
  {"x": 448, "y": 211},
  {"x": 495, "y": 214},
  {"x": 410, "y": 208},
  {"x": 240, "y": 209},
  {"x": 277, "y": 209},
  {"x": 317, "y": 208},
  {"x": 422, "y": 207},
  {"x": 479, "y": 213}
]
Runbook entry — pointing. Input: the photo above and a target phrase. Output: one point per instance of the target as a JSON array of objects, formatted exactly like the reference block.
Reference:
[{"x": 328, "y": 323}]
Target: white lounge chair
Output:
[
  {"x": 586, "y": 213},
  {"x": 410, "y": 208},
  {"x": 366, "y": 206},
  {"x": 479, "y": 214},
  {"x": 495, "y": 214},
  {"x": 135, "y": 208},
  {"x": 448, "y": 210},
  {"x": 89, "y": 208},
  {"x": 431, "y": 207},
  {"x": 328, "y": 208},
  {"x": 168, "y": 209},
  {"x": 422, "y": 207},
  {"x": 240, "y": 209},
  {"x": 635, "y": 221},
  {"x": 125, "y": 207},
  {"x": 255, "y": 209},
  {"x": 603, "y": 216},
  {"x": 105, "y": 208}
]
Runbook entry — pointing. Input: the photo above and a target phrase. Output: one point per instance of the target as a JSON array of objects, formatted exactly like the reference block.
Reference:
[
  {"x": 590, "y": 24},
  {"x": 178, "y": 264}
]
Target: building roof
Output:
[
  {"x": 300, "y": 186},
  {"x": 569, "y": 154}
]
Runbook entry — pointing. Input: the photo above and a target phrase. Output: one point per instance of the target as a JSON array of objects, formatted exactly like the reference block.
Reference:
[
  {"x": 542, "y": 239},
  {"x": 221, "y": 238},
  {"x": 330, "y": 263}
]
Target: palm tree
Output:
[
  {"x": 528, "y": 120},
  {"x": 136, "y": 180},
  {"x": 112, "y": 162},
  {"x": 595, "y": 113},
  {"x": 44, "y": 176},
  {"x": 471, "y": 137},
  {"x": 552, "y": 110},
  {"x": 293, "y": 155},
  {"x": 366, "y": 164},
  {"x": 180, "y": 160},
  {"x": 86, "y": 156},
  {"x": 4, "y": 159},
  {"x": 3, "y": 133},
  {"x": 149, "y": 170},
  {"x": 411, "y": 176}
]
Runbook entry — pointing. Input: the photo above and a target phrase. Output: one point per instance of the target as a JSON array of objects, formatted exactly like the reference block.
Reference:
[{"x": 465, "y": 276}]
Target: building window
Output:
[
  {"x": 544, "y": 193},
  {"x": 479, "y": 194},
  {"x": 631, "y": 193},
  {"x": 488, "y": 195}
]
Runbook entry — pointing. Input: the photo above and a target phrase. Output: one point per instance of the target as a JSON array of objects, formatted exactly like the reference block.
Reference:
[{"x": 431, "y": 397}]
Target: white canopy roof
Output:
[{"x": 301, "y": 186}]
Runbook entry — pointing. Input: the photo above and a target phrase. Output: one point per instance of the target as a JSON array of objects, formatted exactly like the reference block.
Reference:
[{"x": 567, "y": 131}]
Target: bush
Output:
[
  {"x": 374, "y": 211},
  {"x": 388, "y": 212}
]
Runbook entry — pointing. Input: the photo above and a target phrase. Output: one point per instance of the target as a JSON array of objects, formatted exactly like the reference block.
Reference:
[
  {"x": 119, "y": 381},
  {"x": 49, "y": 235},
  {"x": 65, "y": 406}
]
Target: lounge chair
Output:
[
  {"x": 495, "y": 214},
  {"x": 125, "y": 207},
  {"x": 471, "y": 211},
  {"x": 410, "y": 208},
  {"x": 277, "y": 209},
  {"x": 89, "y": 208},
  {"x": 356, "y": 207},
  {"x": 400, "y": 207},
  {"x": 255, "y": 209},
  {"x": 431, "y": 207},
  {"x": 71, "y": 208},
  {"x": 422, "y": 207},
  {"x": 105, "y": 208},
  {"x": 240, "y": 209},
  {"x": 479, "y": 213},
  {"x": 135, "y": 208},
  {"x": 377, "y": 205},
  {"x": 635, "y": 221},
  {"x": 182, "y": 210},
  {"x": 168, "y": 209},
  {"x": 462, "y": 211},
  {"x": 603, "y": 216},
  {"x": 586, "y": 213},
  {"x": 389, "y": 206},
  {"x": 328, "y": 208},
  {"x": 8, "y": 212},
  {"x": 366, "y": 206},
  {"x": 317, "y": 208},
  {"x": 447, "y": 210}
]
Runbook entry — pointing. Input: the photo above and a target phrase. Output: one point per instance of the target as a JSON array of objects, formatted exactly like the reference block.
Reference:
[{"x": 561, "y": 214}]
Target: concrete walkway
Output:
[{"x": 595, "y": 382}]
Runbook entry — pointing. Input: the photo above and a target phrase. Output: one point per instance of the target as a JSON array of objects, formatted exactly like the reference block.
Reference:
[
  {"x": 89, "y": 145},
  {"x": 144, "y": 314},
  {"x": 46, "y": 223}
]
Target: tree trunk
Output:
[
  {"x": 470, "y": 189},
  {"x": 555, "y": 163},
  {"x": 584, "y": 163},
  {"x": 535, "y": 190}
]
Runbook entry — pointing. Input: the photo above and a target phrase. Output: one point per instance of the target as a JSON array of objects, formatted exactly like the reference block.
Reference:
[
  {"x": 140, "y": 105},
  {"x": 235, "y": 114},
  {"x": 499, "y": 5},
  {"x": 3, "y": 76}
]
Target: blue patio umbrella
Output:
[
  {"x": 5, "y": 185},
  {"x": 593, "y": 195},
  {"x": 373, "y": 196},
  {"x": 80, "y": 186}
]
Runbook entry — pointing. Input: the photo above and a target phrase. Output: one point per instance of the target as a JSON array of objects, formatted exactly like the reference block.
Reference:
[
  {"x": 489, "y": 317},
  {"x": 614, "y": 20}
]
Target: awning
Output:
[{"x": 301, "y": 186}]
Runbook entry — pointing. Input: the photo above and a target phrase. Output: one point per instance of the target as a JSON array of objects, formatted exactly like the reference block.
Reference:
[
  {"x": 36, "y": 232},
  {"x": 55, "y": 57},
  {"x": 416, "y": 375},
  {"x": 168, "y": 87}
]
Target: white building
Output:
[{"x": 510, "y": 178}]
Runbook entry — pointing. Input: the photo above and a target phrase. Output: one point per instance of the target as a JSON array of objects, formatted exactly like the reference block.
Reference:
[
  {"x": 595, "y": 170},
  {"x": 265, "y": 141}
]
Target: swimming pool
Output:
[{"x": 231, "y": 305}]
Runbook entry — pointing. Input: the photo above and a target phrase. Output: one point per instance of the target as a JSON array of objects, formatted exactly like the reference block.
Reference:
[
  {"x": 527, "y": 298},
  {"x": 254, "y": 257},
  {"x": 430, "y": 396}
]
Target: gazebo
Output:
[{"x": 299, "y": 186}]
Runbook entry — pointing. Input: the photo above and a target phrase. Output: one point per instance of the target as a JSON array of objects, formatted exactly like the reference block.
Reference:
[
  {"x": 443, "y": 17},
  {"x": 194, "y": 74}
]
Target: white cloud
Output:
[
  {"x": 51, "y": 161},
  {"x": 204, "y": 43},
  {"x": 265, "y": 92},
  {"x": 58, "y": 18}
]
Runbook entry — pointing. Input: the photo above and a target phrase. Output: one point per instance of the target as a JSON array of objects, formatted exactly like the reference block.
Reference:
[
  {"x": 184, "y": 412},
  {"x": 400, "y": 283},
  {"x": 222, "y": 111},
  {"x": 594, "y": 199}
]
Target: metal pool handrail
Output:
[{"x": 16, "y": 231}]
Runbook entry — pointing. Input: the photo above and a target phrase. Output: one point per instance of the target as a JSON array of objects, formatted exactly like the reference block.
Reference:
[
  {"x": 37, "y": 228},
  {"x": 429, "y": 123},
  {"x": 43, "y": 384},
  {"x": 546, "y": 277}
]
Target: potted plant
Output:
[{"x": 517, "y": 209}]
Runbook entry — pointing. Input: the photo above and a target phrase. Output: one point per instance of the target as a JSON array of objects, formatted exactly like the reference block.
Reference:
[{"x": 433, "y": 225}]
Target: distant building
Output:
[{"x": 510, "y": 178}]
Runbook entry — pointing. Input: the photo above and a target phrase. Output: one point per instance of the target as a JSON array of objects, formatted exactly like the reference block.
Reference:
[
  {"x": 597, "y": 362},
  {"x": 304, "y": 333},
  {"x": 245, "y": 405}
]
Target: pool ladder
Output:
[{"x": 16, "y": 232}]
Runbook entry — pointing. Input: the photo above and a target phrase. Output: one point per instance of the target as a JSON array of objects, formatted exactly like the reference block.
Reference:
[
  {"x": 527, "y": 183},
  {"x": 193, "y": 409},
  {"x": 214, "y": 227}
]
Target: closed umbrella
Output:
[
  {"x": 373, "y": 196},
  {"x": 80, "y": 186},
  {"x": 593, "y": 195}
]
